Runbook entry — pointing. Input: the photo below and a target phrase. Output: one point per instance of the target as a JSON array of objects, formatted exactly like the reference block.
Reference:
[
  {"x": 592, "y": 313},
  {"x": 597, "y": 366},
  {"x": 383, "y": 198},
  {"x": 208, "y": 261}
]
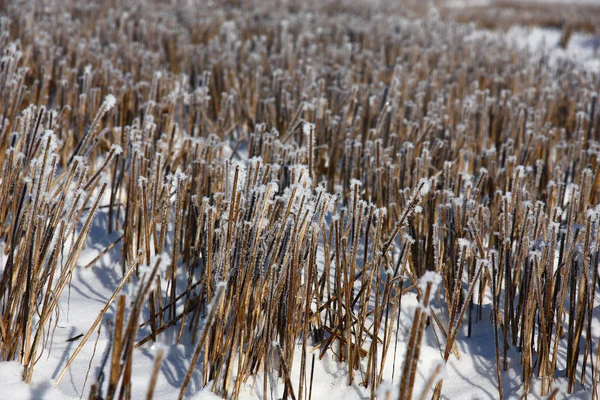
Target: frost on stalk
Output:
[
  {"x": 593, "y": 213},
  {"x": 142, "y": 180},
  {"x": 380, "y": 214},
  {"x": 430, "y": 277},
  {"x": 241, "y": 180},
  {"x": 519, "y": 172},
  {"x": 467, "y": 180},
  {"x": 464, "y": 243},
  {"x": 116, "y": 149},
  {"x": 80, "y": 161},
  {"x": 73, "y": 201},
  {"x": 179, "y": 176},
  {"x": 303, "y": 188},
  {"x": 425, "y": 186},
  {"x": 436, "y": 245},
  {"x": 266, "y": 195},
  {"x": 306, "y": 129},
  {"x": 53, "y": 140},
  {"x": 535, "y": 255},
  {"x": 109, "y": 102},
  {"x": 42, "y": 165},
  {"x": 482, "y": 263}
]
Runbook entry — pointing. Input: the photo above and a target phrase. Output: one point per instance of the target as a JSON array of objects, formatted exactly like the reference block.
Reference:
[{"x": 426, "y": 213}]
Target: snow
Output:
[{"x": 582, "y": 48}]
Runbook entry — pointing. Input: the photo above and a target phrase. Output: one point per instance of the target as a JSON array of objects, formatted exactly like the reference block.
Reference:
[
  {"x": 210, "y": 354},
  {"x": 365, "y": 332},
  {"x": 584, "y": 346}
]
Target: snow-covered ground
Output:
[{"x": 582, "y": 48}]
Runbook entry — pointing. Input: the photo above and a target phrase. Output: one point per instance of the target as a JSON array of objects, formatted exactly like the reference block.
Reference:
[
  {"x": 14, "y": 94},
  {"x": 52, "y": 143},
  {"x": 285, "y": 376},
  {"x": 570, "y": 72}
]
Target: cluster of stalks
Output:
[
  {"x": 298, "y": 175},
  {"x": 47, "y": 208}
]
